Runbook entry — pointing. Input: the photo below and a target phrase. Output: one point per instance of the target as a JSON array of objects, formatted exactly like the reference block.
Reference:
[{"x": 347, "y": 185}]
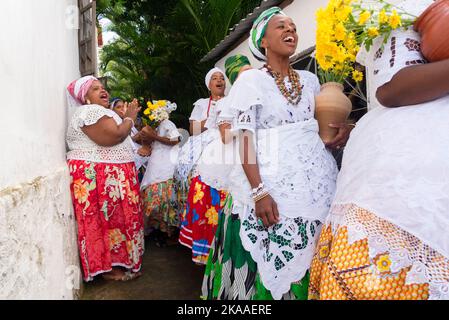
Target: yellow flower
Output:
[
  {"x": 212, "y": 216},
  {"x": 342, "y": 14},
  {"x": 161, "y": 103},
  {"x": 395, "y": 20},
  {"x": 152, "y": 117},
  {"x": 383, "y": 17},
  {"x": 373, "y": 32},
  {"x": 383, "y": 263},
  {"x": 357, "y": 76},
  {"x": 340, "y": 32},
  {"x": 364, "y": 17},
  {"x": 147, "y": 111},
  {"x": 324, "y": 251},
  {"x": 199, "y": 194}
]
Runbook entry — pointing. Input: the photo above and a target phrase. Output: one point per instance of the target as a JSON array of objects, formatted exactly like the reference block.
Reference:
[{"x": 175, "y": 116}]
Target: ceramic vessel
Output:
[
  {"x": 331, "y": 106},
  {"x": 433, "y": 26}
]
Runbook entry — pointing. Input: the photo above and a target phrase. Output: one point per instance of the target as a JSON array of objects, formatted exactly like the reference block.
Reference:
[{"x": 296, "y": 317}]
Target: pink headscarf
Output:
[{"x": 78, "y": 89}]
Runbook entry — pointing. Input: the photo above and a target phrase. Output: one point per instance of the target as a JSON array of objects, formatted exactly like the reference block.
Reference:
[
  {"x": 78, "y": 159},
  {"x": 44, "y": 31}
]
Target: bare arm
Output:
[
  {"x": 107, "y": 133},
  {"x": 266, "y": 208},
  {"x": 197, "y": 127},
  {"x": 416, "y": 84},
  {"x": 166, "y": 141}
]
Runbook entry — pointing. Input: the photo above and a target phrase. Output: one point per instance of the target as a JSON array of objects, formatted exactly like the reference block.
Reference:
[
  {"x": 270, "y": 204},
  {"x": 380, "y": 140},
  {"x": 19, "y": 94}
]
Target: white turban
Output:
[{"x": 210, "y": 73}]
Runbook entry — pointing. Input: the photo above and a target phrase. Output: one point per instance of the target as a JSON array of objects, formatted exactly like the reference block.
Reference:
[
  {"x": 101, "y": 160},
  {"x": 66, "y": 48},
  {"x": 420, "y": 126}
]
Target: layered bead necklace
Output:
[{"x": 293, "y": 95}]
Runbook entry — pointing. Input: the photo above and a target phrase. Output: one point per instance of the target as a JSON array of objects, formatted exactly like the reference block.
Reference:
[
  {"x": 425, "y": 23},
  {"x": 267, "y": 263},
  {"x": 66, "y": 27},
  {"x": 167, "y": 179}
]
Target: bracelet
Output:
[
  {"x": 259, "y": 193},
  {"x": 257, "y": 190},
  {"x": 128, "y": 118},
  {"x": 261, "y": 196}
]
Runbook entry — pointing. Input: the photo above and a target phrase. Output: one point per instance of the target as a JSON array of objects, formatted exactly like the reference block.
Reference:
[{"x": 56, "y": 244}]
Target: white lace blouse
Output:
[
  {"x": 274, "y": 110},
  {"x": 81, "y": 147}
]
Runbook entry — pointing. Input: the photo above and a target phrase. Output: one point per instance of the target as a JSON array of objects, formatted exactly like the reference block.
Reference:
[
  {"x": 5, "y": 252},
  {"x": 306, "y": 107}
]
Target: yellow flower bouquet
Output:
[
  {"x": 157, "y": 111},
  {"x": 336, "y": 46},
  {"x": 368, "y": 22}
]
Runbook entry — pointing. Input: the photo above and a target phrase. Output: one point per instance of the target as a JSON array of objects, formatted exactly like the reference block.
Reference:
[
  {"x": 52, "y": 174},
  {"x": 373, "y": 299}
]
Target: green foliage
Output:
[{"x": 159, "y": 45}]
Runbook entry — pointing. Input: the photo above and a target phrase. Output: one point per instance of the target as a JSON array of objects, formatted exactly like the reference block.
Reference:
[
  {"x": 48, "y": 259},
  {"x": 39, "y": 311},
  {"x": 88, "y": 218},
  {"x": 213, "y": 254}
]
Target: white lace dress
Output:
[
  {"x": 81, "y": 147},
  {"x": 295, "y": 166},
  {"x": 396, "y": 167},
  {"x": 190, "y": 152},
  {"x": 217, "y": 158},
  {"x": 163, "y": 158}
]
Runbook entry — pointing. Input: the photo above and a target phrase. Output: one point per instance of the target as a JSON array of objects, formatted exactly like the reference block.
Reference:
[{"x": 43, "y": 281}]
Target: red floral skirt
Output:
[
  {"x": 109, "y": 215},
  {"x": 200, "y": 219}
]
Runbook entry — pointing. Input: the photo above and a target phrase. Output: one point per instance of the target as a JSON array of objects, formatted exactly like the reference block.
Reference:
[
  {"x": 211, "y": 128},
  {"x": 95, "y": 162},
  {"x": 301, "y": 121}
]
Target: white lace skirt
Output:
[
  {"x": 396, "y": 166},
  {"x": 300, "y": 174}
]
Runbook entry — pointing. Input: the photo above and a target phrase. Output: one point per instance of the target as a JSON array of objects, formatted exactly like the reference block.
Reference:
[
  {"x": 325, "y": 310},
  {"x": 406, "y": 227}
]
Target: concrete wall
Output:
[
  {"x": 303, "y": 14},
  {"x": 39, "y": 57}
]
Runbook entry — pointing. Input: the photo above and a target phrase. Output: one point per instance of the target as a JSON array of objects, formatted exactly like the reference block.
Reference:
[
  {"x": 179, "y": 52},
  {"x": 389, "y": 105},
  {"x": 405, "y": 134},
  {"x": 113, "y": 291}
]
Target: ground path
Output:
[{"x": 168, "y": 273}]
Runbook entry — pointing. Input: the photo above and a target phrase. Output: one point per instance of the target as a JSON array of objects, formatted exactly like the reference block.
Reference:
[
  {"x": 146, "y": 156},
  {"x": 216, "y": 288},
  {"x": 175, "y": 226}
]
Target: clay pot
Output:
[
  {"x": 433, "y": 26},
  {"x": 331, "y": 106}
]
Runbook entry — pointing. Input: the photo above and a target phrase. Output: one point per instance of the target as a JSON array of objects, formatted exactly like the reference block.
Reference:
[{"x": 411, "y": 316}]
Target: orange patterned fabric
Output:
[{"x": 343, "y": 271}]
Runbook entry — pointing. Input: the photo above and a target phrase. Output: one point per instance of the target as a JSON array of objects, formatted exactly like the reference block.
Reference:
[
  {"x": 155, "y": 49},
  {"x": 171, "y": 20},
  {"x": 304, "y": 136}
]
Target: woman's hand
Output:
[
  {"x": 132, "y": 109},
  {"x": 144, "y": 151},
  {"x": 148, "y": 134},
  {"x": 267, "y": 211},
  {"x": 342, "y": 136}
]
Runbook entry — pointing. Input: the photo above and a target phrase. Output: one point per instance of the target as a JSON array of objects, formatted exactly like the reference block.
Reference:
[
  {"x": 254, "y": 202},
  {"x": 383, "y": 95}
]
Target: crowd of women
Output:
[{"x": 254, "y": 190}]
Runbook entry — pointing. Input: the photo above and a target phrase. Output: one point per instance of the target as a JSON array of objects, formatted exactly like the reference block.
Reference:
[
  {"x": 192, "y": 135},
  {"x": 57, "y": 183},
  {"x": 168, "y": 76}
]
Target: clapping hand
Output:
[{"x": 132, "y": 109}]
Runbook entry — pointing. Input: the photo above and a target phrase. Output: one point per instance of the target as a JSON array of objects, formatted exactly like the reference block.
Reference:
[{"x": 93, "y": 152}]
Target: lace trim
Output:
[
  {"x": 403, "y": 249},
  {"x": 283, "y": 252}
]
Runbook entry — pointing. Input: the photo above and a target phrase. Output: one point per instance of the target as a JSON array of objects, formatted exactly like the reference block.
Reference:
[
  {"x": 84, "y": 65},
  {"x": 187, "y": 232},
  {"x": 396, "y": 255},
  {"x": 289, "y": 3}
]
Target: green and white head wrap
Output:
[
  {"x": 233, "y": 65},
  {"x": 258, "y": 31}
]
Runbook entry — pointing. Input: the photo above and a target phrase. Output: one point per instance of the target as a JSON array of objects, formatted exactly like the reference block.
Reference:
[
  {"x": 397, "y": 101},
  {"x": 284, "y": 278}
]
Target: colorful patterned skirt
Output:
[
  {"x": 160, "y": 207},
  {"x": 370, "y": 268},
  {"x": 200, "y": 219},
  {"x": 231, "y": 273},
  {"x": 109, "y": 215}
]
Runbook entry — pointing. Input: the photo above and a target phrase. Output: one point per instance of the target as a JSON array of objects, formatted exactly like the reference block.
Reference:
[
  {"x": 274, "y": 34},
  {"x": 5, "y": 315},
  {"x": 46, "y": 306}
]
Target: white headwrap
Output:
[
  {"x": 77, "y": 90},
  {"x": 210, "y": 73}
]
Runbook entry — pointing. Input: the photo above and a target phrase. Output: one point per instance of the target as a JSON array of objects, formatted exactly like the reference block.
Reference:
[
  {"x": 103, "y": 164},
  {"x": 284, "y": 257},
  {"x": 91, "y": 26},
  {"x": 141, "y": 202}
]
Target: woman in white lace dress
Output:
[
  {"x": 104, "y": 184},
  {"x": 386, "y": 236},
  {"x": 203, "y": 204},
  {"x": 283, "y": 189}
]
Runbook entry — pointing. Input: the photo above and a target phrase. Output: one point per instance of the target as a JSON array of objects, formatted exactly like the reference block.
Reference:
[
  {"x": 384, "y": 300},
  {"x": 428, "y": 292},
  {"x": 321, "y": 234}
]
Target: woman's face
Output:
[
  {"x": 97, "y": 94},
  {"x": 120, "y": 109},
  {"x": 217, "y": 84},
  {"x": 280, "y": 37}
]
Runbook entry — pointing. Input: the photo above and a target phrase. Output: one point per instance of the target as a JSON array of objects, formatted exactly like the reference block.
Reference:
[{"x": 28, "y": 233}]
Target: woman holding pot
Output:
[{"x": 283, "y": 187}]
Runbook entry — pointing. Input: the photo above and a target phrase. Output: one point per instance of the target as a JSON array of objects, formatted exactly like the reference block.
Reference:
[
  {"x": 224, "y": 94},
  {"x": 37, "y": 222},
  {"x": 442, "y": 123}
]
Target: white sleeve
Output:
[
  {"x": 402, "y": 50},
  {"x": 197, "y": 112},
  {"x": 246, "y": 120},
  {"x": 170, "y": 130},
  {"x": 91, "y": 114}
]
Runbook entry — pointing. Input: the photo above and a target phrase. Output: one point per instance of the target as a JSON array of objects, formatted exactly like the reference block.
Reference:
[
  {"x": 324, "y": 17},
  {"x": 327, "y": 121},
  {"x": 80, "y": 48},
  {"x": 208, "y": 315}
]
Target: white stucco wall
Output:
[
  {"x": 303, "y": 14},
  {"x": 39, "y": 57}
]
